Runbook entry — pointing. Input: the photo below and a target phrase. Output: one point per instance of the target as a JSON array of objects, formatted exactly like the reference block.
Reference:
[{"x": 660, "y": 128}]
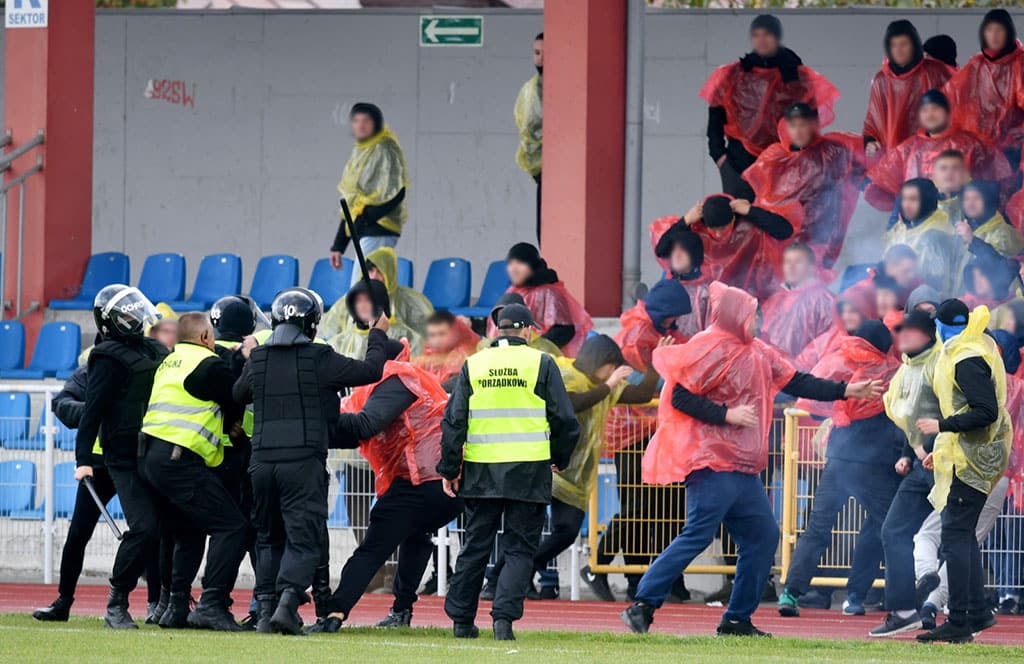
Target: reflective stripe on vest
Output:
[
  {"x": 176, "y": 416},
  {"x": 507, "y": 420}
]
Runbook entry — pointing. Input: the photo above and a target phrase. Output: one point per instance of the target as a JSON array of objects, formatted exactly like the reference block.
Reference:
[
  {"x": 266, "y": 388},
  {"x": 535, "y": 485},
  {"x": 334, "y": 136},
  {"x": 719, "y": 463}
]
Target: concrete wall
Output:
[{"x": 250, "y": 166}]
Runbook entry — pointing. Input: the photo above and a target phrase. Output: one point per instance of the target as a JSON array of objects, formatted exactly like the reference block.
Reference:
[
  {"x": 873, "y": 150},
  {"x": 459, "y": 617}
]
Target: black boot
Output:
[
  {"x": 160, "y": 608},
  {"x": 325, "y": 625},
  {"x": 503, "y": 630},
  {"x": 175, "y": 616},
  {"x": 399, "y": 618},
  {"x": 267, "y": 604},
  {"x": 117, "y": 611},
  {"x": 321, "y": 590},
  {"x": 212, "y": 612},
  {"x": 286, "y": 618},
  {"x": 56, "y": 612}
]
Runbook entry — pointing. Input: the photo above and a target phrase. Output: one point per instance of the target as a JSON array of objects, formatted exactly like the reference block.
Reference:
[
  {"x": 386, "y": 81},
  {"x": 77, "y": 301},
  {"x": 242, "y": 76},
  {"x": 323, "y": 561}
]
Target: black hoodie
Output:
[
  {"x": 907, "y": 29},
  {"x": 1003, "y": 18}
]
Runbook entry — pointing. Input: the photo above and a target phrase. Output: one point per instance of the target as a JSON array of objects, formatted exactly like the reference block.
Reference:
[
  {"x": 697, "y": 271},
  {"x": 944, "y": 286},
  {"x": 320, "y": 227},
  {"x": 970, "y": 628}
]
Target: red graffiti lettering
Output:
[{"x": 176, "y": 92}]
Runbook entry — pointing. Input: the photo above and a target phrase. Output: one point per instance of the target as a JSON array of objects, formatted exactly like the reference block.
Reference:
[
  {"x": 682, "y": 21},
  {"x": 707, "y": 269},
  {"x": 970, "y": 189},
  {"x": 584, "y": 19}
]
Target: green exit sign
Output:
[{"x": 451, "y": 30}]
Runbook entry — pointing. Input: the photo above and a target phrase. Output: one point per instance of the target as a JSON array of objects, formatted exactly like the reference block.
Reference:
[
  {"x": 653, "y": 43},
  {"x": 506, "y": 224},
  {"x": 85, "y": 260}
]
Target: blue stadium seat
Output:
[
  {"x": 65, "y": 488},
  {"x": 17, "y": 486},
  {"x": 495, "y": 284},
  {"x": 114, "y": 507},
  {"x": 15, "y": 414},
  {"x": 103, "y": 269},
  {"x": 57, "y": 349},
  {"x": 273, "y": 275},
  {"x": 405, "y": 272},
  {"x": 12, "y": 345},
  {"x": 219, "y": 275},
  {"x": 329, "y": 283},
  {"x": 63, "y": 438},
  {"x": 64, "y": 374},
  {"x": 607, "y": 500},
  {"x": 163, "y": 278},
  {"x": 448, "y": 283},
  {"x": 853, "y": 274},
  {"x": 338, "y": 517}
]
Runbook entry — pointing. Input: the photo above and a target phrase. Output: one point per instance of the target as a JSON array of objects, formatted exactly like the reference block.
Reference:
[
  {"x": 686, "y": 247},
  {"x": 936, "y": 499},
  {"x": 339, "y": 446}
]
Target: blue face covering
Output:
[{"x": 947, "y": 332}]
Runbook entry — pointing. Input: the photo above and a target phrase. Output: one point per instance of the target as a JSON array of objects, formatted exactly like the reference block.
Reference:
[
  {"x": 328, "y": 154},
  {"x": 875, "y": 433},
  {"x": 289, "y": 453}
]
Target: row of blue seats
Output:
[
  {"x": 15, "y": 426},
  {"x": 55, "y": 353},
  {"x": 18, "y": 491},
  {"x": 447, "y": 284}
]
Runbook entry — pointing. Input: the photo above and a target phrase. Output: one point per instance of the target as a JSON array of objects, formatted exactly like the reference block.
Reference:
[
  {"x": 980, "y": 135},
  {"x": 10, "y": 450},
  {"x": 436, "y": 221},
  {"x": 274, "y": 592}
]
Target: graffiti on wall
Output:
[{"x": 172, "y": 91}]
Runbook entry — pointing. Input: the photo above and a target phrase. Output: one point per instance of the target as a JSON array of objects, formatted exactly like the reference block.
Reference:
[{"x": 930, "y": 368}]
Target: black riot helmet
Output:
[
  {"x": 236, "y": 316},
  {"x": 122, "y": 311},
  {"x": 300, "y": 307}
]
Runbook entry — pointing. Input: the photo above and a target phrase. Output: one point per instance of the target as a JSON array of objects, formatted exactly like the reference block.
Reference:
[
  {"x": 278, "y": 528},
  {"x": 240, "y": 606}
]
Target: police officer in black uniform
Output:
[
  {"x": 120, "y": 377},
  {"x": 293, "y": 384}
]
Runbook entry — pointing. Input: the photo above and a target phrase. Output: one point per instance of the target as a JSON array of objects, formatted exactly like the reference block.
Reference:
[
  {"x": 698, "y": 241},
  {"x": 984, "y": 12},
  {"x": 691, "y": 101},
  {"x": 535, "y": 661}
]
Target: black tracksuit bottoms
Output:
[
  {"x": 289, "y": 513},
  {"x": 404, "y": 518},
  {"x": 523, "y": 523},
  {"x": 962, "y": 554}
]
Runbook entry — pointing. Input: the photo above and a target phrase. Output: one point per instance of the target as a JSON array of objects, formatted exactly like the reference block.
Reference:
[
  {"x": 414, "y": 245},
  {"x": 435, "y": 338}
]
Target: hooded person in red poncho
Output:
[
  {"x": 742, "y": 242},
  {"x": 915, "y": 157},
  {"x": 449, "y": 342},
  {"x": 714, "y": 417},
  {"x": 680, "y": 252},
  {"x": 747, "y": 98},
  {"x": 652, "y": 319},
  {"x": 987, "y": 94},
  {"x": 905, "y": 75},
  {"x": 863, "y": 447},
  {"x": 820, "y": 172},
  {"x": 561, "y": 318},
  {"x": 802, "y": 309},
  {"x": 396, "y": 424}
]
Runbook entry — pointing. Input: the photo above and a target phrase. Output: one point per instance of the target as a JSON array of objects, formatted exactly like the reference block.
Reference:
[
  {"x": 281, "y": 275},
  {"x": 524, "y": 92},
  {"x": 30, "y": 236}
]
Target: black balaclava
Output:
[
  {"x": 876, "y": 333},
  {"x": 524, "y": 252},
  {"x": 377, "y": 290},
  {"x": 691, "y": 243},
  {"x": 1003, "y": 18},
  {"x": 906, "y": 29},
  {"x": 990, "y": 194},
  {"x": 366, "y": 108},
  {"x": 942, "y": 48},
  {"x": 717, "y": 212},
  {"x": 929, "y": 199},
  {"x": 596, "y": 352}
]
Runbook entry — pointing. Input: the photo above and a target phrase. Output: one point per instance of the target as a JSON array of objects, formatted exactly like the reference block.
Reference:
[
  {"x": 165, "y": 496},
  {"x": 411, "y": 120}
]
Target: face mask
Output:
[{"x": 947, "y": 332}]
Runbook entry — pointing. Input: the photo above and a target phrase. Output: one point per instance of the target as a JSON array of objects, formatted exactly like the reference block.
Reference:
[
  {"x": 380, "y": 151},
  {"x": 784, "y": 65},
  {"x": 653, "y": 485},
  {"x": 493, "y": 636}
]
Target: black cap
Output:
[
  {"x": 506, "y": 299},
  {"x": 937, "y": 97},
  {"x": 800, "y": 110},
  {"x": 918, "y": 319},
  {"x": 942, "y": 48},
  {"x": 952, "y": 312},
  {"x": 515, "y": 317},
  {"x": 767, "y": 22}
]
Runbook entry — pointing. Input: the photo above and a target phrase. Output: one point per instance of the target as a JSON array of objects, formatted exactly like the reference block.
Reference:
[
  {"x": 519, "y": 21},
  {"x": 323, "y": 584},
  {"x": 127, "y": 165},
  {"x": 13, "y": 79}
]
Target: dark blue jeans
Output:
[
  {"x": 737, "y": 500},
  {"x": 873, "y": 485},
  {"x": 909, "y": 509}
]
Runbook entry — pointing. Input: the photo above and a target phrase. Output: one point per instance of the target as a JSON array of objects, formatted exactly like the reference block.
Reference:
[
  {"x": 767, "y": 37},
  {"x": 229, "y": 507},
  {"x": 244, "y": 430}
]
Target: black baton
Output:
[
  {"x": 351, "y": 226},
  {"x": 87, "y": 481}
]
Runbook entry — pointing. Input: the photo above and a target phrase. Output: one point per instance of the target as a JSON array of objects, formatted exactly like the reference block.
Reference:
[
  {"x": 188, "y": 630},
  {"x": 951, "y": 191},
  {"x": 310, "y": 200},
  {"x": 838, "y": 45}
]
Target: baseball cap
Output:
[{"x": 514, "y": 317}]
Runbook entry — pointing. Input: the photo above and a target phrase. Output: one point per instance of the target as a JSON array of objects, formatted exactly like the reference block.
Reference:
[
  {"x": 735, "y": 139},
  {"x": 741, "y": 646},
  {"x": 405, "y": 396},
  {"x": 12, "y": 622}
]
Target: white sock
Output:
[{"x": 905, "y": 613}]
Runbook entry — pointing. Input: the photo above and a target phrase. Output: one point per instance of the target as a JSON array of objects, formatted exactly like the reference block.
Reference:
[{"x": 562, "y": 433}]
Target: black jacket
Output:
[
  {"x": 526, "y": 481},
  {"x": 385, "y": 404},
  {"x": 975, "y": 381},
  {"x": 298, "y": 427},
  {"x": 69, "y": 404}
]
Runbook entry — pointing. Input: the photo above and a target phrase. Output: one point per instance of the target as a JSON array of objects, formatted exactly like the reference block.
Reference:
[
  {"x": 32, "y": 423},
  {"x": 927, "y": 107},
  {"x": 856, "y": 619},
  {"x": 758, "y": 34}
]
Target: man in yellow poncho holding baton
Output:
[
  {"x": 970, "y": 455},
  {"x": 374, "y": 183}
]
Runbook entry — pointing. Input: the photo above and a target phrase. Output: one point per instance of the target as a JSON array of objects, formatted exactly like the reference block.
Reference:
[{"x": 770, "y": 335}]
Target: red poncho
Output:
[
  {"x": 914, "y": 158},
  {"x": 1015, "y": 210},
  {"x": 410, "y": 447},
  {"x": 638, "y": 337},
  {"x": 855, "y": 360},
  {"x": 893, "y": 100},
  {"x": 553, "y": 304},
  {"x": 443, "y": 364},
  {"x": 755, "y": 100},
  {"x": 726, "y": 365},
  {"x": 988, "y": 97},
  {"x": 1015, "y": 469},
  {"x": 793, "y": 318},
  {"x": 824, "y": 178},
  {"x": 627, "y": 425},
  {"x": 861, "y": 296}
]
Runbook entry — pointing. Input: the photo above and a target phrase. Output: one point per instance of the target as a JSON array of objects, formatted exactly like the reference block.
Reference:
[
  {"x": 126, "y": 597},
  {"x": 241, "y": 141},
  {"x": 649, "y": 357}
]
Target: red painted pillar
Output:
[
  {"x": 49, "y": 86},
  {"x": 584, "y": 147}
]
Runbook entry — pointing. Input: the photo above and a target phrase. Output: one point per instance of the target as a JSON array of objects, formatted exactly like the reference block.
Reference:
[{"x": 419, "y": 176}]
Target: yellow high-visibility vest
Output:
[
  {"x": 179, "y": 418},
  {"x": 507, "y": 420}
]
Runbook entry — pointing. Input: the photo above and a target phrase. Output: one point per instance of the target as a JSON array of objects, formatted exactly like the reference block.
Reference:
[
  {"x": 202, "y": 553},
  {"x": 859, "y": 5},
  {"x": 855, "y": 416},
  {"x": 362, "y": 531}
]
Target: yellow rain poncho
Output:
[
  {"x": 409, "y": 308},
  {"x": 939, "y": 251},
  {"x": 1000, "y": 235},
  {"x": 351, "y": 341},
  {"x": 529, "y": 114},
  {"x": 978, "y": 458},
  {"x": 911, "y": 397},
  {"x": 573, "y": 484},
  {"x": 374, "y": 174}
]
